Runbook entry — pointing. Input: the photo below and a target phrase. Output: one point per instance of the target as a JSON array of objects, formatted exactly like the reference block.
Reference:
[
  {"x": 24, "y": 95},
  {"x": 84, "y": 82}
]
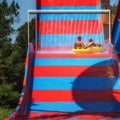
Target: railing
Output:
[{"x": 106, "y": 11}]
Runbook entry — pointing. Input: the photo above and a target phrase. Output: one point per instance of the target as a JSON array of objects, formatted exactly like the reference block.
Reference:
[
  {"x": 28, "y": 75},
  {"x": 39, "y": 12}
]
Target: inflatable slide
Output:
[{"x": 60, "y": 84}]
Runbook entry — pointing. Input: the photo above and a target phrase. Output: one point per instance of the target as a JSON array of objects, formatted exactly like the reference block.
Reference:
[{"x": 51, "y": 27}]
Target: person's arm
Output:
[
  {"x": 83, "y": 45},
  {"x": 75, "y": 45},
  {"x": 93, "y": 44},
  {"x": 86, "y": 45},
  {"x": 99, "y": 45}
]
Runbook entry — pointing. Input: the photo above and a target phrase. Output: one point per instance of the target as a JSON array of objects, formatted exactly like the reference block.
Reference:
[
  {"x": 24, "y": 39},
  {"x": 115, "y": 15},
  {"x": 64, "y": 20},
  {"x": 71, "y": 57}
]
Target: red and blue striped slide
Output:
[
  {"x": 68, "y": 86},
  {"x": 62, "y": 87}
]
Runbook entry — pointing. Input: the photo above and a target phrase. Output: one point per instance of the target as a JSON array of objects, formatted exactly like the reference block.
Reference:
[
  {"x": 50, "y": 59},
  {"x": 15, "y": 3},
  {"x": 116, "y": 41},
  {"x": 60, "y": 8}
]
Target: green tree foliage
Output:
[
  {"x": 8, "y": 97},
  {"x": 8, "y": 16},
  {"x": 13, "y": 67},
  {"x": 113, "y": 9},
  {"x": 12, "y": 56}
]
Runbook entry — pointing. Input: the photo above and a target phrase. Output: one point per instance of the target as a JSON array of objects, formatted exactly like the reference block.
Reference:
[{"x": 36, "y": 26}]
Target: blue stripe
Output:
[
  {"x": 28, "y": 51},
  {"x": 75, "y": 83},
  {"x": 69, "y": 7},
  {"x": 67, "y": 39},
  {"x": 74, "y": 62},
  {"x": 74, "y": 107},
  {"x": 45, "y": 17},
  {"x": 117, "y": 83},
  {"x": 26, "y": 71}
]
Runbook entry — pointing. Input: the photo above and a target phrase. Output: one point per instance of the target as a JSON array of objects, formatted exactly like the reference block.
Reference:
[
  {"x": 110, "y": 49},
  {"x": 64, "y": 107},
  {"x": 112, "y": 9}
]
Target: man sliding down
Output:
[{"x": 79, "y": 44}]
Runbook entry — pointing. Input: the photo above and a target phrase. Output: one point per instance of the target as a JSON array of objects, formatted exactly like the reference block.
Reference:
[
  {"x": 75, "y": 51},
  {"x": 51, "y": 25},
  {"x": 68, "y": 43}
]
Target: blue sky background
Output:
[
  {"x": 24, "y": 6},
  {"x": 113, "y": 2},
  {"x": 30, "y": 4}
]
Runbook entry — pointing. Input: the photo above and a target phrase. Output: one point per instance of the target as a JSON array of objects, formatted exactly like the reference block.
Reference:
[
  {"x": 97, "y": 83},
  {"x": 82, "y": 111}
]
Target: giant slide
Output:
[{"x": 60, "y": 84}]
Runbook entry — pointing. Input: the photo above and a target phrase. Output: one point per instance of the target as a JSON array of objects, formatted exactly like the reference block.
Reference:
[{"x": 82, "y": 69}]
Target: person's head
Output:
[
  {"x": 79, "y": 38},
  {"x": 90, "y": 40}
]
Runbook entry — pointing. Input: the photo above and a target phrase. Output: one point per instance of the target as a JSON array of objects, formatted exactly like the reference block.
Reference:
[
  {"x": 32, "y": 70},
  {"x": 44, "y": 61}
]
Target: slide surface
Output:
[{"x": 65, "y": 85}]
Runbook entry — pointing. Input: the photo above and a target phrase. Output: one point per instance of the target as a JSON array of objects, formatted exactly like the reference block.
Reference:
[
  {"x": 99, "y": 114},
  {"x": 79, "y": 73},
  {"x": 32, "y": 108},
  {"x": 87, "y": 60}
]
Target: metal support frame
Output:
[{"x": 107, "y": 11}]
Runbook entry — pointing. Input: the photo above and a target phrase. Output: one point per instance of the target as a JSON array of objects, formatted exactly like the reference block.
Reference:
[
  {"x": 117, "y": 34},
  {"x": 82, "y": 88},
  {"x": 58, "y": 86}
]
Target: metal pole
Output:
[
  {"x": 67, "y": 11},
  {"x": 28, "y": 29},
  {"x": 70, "y": 12},
  {"x": 109, "y": 26}
]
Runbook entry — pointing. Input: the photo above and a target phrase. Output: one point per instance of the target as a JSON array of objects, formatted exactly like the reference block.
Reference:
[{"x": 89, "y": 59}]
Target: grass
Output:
[{"x": 4, "y": 112}]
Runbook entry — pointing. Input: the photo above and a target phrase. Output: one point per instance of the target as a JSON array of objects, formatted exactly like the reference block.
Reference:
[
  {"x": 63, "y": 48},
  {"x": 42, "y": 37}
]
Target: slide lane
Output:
[{"x": 71, "y": 94}]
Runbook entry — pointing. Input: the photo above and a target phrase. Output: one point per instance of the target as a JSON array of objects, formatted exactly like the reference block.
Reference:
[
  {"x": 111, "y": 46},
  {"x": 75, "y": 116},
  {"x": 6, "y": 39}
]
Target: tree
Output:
[
  {"x": 8, "y": 15},
  {"x": 113, "y": 9},
  {"x": 12, "y": 56}
]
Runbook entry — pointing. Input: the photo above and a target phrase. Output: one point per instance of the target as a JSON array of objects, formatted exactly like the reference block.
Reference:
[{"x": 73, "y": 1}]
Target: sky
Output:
[
  {"x": 112, "y": 2},
  {"x": 24, "y": 6},
  {"x": 30, "y": 4}
]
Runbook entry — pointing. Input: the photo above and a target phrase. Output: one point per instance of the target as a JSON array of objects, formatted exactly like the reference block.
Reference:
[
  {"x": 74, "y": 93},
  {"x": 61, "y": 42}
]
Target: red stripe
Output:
[
  {"x": 118, "y": 11},
  {"x": 56, "y": 48},
  {"x": 73, "y": 71},
  {"x": 24, "y": 82},
  {"x": 75, "y": 95},
  {"x": 72, "y": 55},
  {"x": 27, "y": 60},
  {"x": 20, "y": 101},
  {"x": 67, "y": 2},
  {"x": 70, "y": 27},
  {"x": 65, "y": 115}
]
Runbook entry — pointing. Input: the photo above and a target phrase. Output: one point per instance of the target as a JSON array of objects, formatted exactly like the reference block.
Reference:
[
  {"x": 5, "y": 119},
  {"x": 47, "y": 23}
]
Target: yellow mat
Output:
[{"x": 88, "y": 50}]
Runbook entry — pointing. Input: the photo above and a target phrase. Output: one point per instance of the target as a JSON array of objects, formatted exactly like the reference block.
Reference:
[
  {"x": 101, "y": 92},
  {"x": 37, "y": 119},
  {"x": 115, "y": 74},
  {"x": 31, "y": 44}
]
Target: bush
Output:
[
  {"x": 8, "y": 97},
  {"x": 4, "y": 112}
]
